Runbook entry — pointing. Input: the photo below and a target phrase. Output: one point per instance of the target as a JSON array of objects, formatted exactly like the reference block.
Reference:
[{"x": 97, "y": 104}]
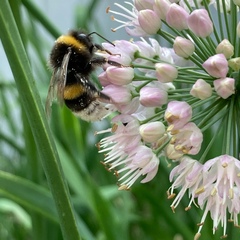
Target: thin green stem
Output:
[
  {"x": 226, "y": 20},
  {"x": 206, "y": 3},
  {"x": 202, "y": 49},
  {"x": 229, "y": 126},
  {"x": 179, "y": 90},
  {"x": 137, "y": 89},
  {"x": 218, "y": 108},
  {"x": 158, "y": 116},
  {"x": 235, "y": 130},
  {"x": 210, "y": 144},
  {"x": 32, "y": 104},
  {"x": 219, "y": 20},
  {"x": 160, "y": 149},
  {"x": 179, "y": 96},
  {"x": 213, "y": 120},
  {"x": 234, "y": 21},
  {"x": 167, "y": 36}
]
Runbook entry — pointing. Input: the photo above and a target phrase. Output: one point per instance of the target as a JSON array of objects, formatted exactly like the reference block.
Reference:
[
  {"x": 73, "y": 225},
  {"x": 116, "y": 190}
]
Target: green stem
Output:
[
  {"x": 229, "y": 126},
  {"x": 217, "y": 109},
  {"x": 226, "y": 21},
  {"x": 36, "y": 13},
  {"x": 210, "y": 144},
  {"x": 31, "y": 101}
]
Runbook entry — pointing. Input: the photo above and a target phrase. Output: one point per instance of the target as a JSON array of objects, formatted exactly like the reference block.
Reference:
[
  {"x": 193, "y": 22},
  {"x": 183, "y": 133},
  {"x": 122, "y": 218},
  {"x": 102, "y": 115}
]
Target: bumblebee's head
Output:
[
  {"x": 82, "y": 51},
  {"x": 82, "y": 39}
]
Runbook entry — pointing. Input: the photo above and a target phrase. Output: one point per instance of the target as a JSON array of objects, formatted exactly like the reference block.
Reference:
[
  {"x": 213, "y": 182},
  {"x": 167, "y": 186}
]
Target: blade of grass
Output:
[
  {"x": 28, "y": 194},
  {"x": 33, "y": 108}
]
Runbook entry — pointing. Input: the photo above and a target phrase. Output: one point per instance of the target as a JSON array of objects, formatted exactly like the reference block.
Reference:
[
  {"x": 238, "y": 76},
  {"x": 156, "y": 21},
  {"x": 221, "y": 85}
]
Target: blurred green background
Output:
[{"x": 27, "y": 205}]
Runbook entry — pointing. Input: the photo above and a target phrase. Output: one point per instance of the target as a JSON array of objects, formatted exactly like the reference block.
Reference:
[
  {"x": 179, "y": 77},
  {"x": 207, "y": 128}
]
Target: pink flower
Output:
[
  {"x": 131, "y": 24},
  {"x": 153, "y": 97},
  {"x": 200, "y": 23},
  {"x": 177, "y": 114},
  {"x": 177, "y": 17},
  {"x": 102, "y": 77},
  {"x": 122, "y": 51},
  {"x": 183, "y": 47},
  {"x": 124, "y": 150},
  {"x": 171, "y": 152},
  {"x": 120, "y": 75},
  {"x": 201, "y": 89},
  {"x": 151, "y": 132},
  {"x": 188, "y": 139},
  {"x": 125, "y": 138},
  {"x": 143, "y": 4},
  {"x": 188, "y": 176},
  {"x": 165, "y": 72},
  {"x": 118, "y": 94},
  {"x": 143, "y": 162},
  {"x": 216, "y": 66},
  {"x": 226, "y": 48},
  {"x": 219, "y": 192},
  {"x": 161, "y": 7},
  {"x": 225, "y": 87},
  {"x": 234, "y": 63},
  {"x": 149, "y": 21}
]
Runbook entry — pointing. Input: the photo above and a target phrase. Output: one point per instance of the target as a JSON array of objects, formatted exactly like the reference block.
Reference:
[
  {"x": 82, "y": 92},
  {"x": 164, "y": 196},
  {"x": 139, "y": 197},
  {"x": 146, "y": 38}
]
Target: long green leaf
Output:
[
  {"x": 29, "y": 96},
  {"x": 28, "y": 194}
]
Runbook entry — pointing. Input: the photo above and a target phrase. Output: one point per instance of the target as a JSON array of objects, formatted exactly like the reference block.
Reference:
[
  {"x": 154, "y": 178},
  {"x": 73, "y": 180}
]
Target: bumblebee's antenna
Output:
[{"x": 100, "y": 37}]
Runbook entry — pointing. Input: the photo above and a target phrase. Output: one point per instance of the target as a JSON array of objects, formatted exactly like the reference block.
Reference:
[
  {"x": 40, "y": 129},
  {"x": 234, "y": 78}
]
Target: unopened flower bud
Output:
[
  {"x": 151, "y": 132},
  {"x": 237, "y": 2},
  {"x": 183, "y": 47},
  {"x": 153, "y": 97},
  {"x": 216, "y": 66},
  {"x": 118, "y": 94},
  {"x": 200, "y": 23},
  {"x": 224, "y": 87},
  {"x": 149, "y": 21},
  {"x": 177, "y": 17},
  {"x": 142, "y": 4},
  {"x": 201, "y": 89},
  {"x": 120, "y": 76},
  {"x": 161, "y": 7},
  {"x": 226, "y": 48},
  {"x": 165, "y": 72},
  {"x": 102, "y": 77},
  {"x": 177, "y": 114},
  {"x": 234, "y": 63}
]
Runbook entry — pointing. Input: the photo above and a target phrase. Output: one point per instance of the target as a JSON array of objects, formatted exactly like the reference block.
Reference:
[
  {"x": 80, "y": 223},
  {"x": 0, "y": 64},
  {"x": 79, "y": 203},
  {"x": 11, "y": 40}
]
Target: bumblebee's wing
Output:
[
  {"x": 51, "y": 92},
  {"x": 57, "y": 84},
  {"x": 63, "y": 77}
]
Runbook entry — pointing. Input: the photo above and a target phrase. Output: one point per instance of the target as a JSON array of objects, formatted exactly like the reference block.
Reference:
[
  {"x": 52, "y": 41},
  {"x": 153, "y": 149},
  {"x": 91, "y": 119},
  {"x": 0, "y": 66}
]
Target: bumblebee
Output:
[{"x": 73, "y": 59}]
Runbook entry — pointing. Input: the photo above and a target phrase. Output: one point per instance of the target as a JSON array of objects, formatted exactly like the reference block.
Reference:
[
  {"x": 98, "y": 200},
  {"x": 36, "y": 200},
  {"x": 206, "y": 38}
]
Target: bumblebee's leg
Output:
[
  {"x": 99, "y": 47},
  {"x": 102, "y": 60}
]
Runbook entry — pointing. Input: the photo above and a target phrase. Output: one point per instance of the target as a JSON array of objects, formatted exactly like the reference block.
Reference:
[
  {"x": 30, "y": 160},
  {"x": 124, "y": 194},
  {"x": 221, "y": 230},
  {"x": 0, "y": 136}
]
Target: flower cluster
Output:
[{"x": 169, "y": 100}]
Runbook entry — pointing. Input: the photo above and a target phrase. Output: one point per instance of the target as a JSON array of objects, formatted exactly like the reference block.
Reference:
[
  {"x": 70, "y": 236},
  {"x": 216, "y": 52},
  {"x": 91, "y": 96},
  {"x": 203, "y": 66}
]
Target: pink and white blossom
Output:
[{"x": 216, "y": 66}]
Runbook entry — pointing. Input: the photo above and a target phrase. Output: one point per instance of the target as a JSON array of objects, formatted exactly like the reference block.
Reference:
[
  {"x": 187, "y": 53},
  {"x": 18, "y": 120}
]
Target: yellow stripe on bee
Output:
[
  {"x": 73, "y": 91},
  {"x": 71, "y": 41}
]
